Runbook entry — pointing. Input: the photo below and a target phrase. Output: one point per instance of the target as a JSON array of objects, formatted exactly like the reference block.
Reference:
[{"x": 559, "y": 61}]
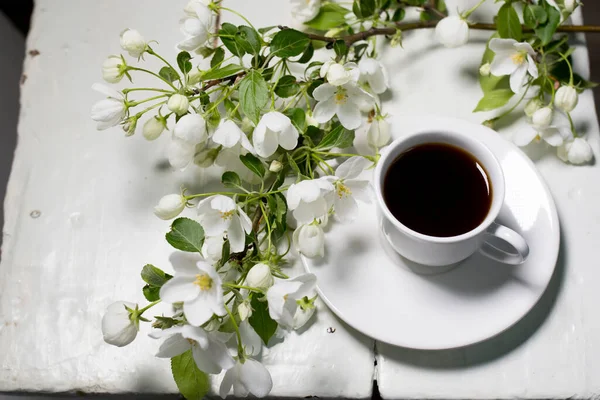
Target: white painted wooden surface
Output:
[{"x": 95, "y": 191}]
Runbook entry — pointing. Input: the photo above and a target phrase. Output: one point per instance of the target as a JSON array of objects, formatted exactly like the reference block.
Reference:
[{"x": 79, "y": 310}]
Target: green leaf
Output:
[
  {"x": 282, "y": 208},
  {"x": 298, "y": 118},
  {"x": 287, "y": 86},
  {"x": 169, "y": 74},
  {"x": 367, "y": 7},
  {"x": 254, "y": 95},
  {"x": 440, "y": 5},
  {"x": 261, "y": 321},
  {"x": 508, "y": 23},
  {"x": 293, "y": 164},
  {"x": 307, "y": 55},
  {"x": 183, "y": 61},
  {"x": 205, "y": 52},
  {"x": 398, "y": 15},
  {"x": 266, "y": 29},
  {"x": 225, "y": 253},
  {"x": 186, "y": 235},
  {"x": 253, "y": 164},
  {"x": 494, "y": 99},
  {"x": 231, "y": 179},
  {"x": 218, "y": 58},
  {"x": 337, "y": 137},
  {"x": 151, "y": 293},
  {"x": 289, "y": 43},
  {"x": 340, "y": 48},
  {"x": 227, "y": 70},
  {"x": 228, "y": 33},
  {"x": 154, "y": 276},
  {"x": 191, "y": 382},
  {"x": 547, "y": 30},
  {"x": 331, "y": 15},
  {"x": 315, "y": 134},
  {"x": 313, "y": 85},
  {"x": 248, "y": 39}
]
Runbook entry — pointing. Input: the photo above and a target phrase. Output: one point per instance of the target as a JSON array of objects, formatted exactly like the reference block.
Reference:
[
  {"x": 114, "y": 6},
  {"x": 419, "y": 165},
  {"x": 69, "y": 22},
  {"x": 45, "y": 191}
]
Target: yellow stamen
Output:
[
  {"x": 203, "y": 281},
  {"x": 518, "y": 58},
  {"x": 226, "y": 215},
  {"x": 285, "y": 297},
  {"x": 191, "y": 341},
  {"x": 341, "y": 97},
  {"x": 342, "y": 190}
]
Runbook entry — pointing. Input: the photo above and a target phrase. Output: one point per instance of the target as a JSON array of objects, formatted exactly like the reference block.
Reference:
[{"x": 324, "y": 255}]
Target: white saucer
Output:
[{"x": 395, "y": 301}]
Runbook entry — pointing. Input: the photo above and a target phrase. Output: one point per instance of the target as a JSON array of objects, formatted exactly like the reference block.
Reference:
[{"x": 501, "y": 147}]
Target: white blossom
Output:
[
  {"x": 452, "y": 31},
  {"x": 570, "y": 5},
  {"x": 514, "y": 59},
  {"x": 309, "y": 240},
  {"x": 576, "y": 151},
  {"x": 178, "y": 103},
  {"x": 244, "y": 310},
  {"x": 220, "y": 214},
  {"x": 374, "y": 73},
  {"x": 110, "y": 111},
  {"x": 273, "y": 130},
  {"x": 347, "y": 188},
  {"x": 260, "y": 276},
  {"x": 198, "y": 285},
  {"x": 228, "y": 134},
  {"x": 310, "y": 199},
  {"x": 251, "y": 341},
  {"x": 554, "y": 135},
  {"x": 189, "y": 137},
  {"x": 566, "y": 98},
  {"x": 283, "y": 297},
  {"x": 180, "y": 152},
  {"x": 133, "y": 43},
  {"x": 343, "y": 101},
  {"x": 229, "y": 158},
  {"x": 208, "y": 348},
  {"x": 196, "y": 26},
  {"x": 338, "y": 74},
  {"x": 248, "y": 376},
  {"x": 275, "y": 166},
  {"x": 113, "y": 69},
  {"x": 118, "y": 328},
  {"x": 378, "y": 134},
  {"x": 170, "y": 206},
  {"x": 213, "y": 247},
  {"x": 542, "y": 118},
  {"x": 153, "y": 128},
  {"x": 305, "y": 10}
]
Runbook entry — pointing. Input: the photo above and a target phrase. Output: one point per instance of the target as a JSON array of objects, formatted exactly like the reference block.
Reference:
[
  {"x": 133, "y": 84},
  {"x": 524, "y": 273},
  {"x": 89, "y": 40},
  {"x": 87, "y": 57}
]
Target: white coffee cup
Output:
[{"x": 489, "y": 238}]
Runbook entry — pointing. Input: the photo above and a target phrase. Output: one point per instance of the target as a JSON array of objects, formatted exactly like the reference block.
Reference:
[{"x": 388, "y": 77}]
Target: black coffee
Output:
[{"x": 438, "y": 190}]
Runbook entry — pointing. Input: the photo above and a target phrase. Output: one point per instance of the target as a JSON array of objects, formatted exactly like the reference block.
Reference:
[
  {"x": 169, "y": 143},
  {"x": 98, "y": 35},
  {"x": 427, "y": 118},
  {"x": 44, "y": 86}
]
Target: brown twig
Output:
[{"x": 351, "y": 39}]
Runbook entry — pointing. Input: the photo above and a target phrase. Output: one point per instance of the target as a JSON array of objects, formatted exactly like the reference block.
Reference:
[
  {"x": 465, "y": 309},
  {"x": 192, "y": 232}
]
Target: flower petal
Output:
[
  {"x": 352, "y": 167},
  {"x": 219, "y": 353},
  {"x": 203, "y": 361},
  {"x": 180, "y": 153},
  {"x": 227, "y": 383},
  {"x": 553, "y": 136},
  {"x": 324, "y": 92},
  {"x": 324, "y": 111},
  {"x": 195, "y": 333},
  {"x": 179, "y": 288},
  {"x": 265, "y": 140},
  {"x": 531, "y": 67},
  {"x": 245, "y": 220},
  {"x": 184, "y": 263},
  {"x": 173, "y": 346},
  {"x": 228, "y": 134},
  {"x": 524, "y": 136},
  {"x": 349, "y": 115},
  {"x": 222, "y": 203},
  {"x": 502, "y": 64},
  {"x": 502, "y": 45},
  {"x": 345, "y": 208},
  {"x": 252, "y": 342},
  {"x": 197, "y": 311},
  {"x": 256, "y": 378},
  {"x": 288, "y": 138},
  {"x": 525, "y": 47},
  {"x": 517, "y": 79},
  {"x": 361, "y": 190},
  {"x": 236, "y": 235}
]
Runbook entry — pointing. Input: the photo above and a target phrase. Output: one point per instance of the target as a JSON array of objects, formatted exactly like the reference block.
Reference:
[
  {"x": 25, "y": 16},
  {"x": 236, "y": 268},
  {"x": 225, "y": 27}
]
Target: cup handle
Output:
[{"x": 499, "y": 233}]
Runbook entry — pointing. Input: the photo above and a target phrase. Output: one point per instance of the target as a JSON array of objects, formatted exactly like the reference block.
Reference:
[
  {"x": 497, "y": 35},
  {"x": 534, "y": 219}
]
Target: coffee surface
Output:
[{"x": 438, "y": 189}]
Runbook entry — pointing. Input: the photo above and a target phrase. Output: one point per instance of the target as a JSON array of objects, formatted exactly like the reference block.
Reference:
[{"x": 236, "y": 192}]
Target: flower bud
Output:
[
  {"x": 244, "y": 310},
  {"x": 452, "y": 31},
  {"x": 260, "y": 277},
  {"x": 153, "y": 128},
  {"x": 247, "y": 125},
  {"x": 542, "y": 118},
  {"x": 484, "y": 70},
  {"x": 204, "y": 158},
  {"x": 566, "y": 98},
  {"x": 194, "y": 76},
  {"x": 179, "y": 104},
  {"x": 338, "y": 75},
  {"x": 118, "y": 328},
  {"x": 378, "y": 134},
  {"x": 396, "y": 39},
  {"x": 170, "y": 206},
  {"x": 133, "y": 43},
  {"x": 533, "y": 106},
  {"x": 577, "y": 151},
  {"x": 571, "y": 5},
  {"x": 310, "y": 240},
  {"x": 311, "y": 121},
  {"x": 130, "y": 125},
  {"x": 113, "y": 69},
  {"x": 334, "y": 32},
  {"x": 275, "y": 166}
]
